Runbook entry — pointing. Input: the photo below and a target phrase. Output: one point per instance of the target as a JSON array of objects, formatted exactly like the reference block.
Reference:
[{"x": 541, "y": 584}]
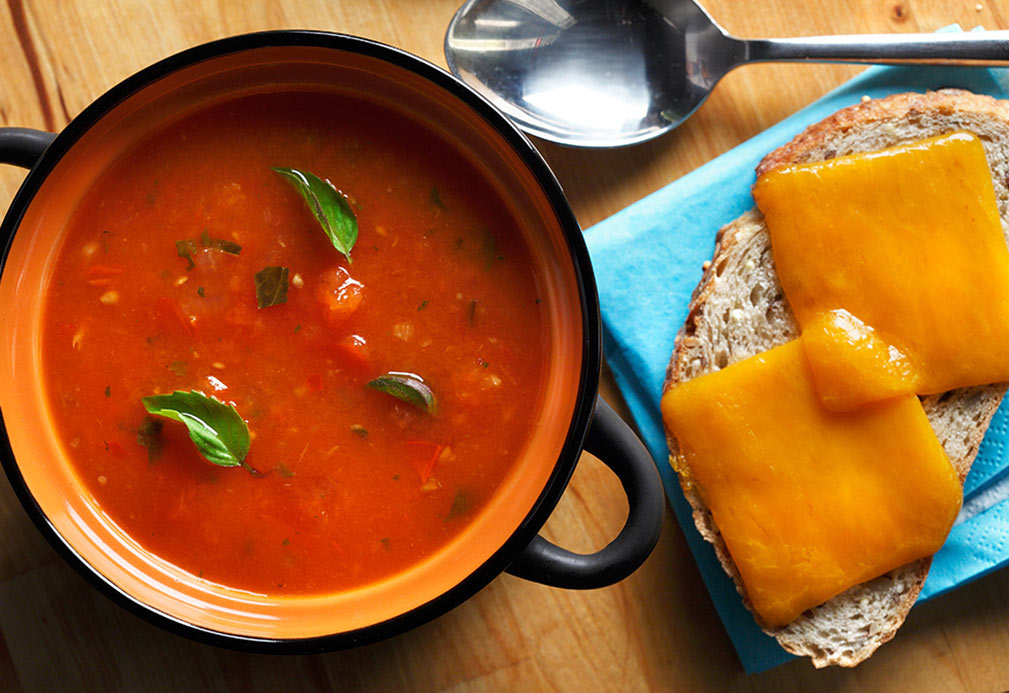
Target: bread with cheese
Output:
[{"x": 738, "y": 309}]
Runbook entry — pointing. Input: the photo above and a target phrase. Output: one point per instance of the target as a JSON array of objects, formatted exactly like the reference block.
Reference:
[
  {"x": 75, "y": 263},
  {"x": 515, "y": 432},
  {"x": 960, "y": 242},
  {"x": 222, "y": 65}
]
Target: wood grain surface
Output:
[{"x": 656, "y": 630}]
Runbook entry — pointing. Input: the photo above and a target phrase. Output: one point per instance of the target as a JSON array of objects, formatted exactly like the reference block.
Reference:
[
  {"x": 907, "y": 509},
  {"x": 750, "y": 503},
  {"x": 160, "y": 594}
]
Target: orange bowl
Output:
[{"x": 50, "y": 489}]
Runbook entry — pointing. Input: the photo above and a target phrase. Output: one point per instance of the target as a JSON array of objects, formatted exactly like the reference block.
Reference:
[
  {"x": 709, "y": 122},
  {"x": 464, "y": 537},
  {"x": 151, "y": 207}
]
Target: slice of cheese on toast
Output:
[{"x": 739, "y": 309}]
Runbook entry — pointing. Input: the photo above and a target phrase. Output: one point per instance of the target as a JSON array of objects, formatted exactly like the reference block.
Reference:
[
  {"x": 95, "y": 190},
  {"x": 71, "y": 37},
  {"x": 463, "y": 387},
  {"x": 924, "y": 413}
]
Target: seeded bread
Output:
[{"x": 738, "y": 309}]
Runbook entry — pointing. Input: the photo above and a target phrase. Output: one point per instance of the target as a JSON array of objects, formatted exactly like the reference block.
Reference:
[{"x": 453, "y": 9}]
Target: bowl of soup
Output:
[{"x": 301, "y": 347}]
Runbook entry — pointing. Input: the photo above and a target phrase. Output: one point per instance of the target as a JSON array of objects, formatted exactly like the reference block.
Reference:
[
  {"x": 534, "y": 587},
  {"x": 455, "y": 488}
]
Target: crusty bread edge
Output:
[
  {"x": 895, "y": 107},
  {"x": 798, "y": 150}
]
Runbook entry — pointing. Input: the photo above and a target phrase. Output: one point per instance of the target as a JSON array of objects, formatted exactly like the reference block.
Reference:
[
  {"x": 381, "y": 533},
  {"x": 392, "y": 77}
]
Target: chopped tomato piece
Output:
[
  {"x": 169, "y": 311},
  {"x": 352, "y": 352},
  {"x": 422, "y": 455},
  {"x": 340, "y": 294}
]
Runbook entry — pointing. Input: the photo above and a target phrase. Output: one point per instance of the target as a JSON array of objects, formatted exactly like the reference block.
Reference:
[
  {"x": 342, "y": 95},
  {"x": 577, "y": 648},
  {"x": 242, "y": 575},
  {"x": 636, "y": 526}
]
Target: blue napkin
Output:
[{"x": 647, "y": 260}]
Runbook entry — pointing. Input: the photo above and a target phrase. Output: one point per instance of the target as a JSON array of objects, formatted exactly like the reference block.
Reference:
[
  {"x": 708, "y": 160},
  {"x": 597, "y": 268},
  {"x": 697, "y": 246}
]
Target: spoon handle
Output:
[{"x": 989, "y": 48}]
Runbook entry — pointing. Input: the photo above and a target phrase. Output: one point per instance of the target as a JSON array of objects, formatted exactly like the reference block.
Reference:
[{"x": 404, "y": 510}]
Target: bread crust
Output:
[
  {"x": 738, "y": 309},
  {"x": 896, "y": 107}
]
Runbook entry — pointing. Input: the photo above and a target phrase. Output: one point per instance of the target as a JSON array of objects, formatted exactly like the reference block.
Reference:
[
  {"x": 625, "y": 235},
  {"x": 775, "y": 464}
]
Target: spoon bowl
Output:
[
  {"x": 603, "y": 76},
  {"x": 611, "y": 73}
]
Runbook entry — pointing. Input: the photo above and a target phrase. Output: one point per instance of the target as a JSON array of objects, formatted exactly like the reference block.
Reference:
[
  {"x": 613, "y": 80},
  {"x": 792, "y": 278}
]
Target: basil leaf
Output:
[
  {"x": 149, "y": 436},
  {"x": 329, "y": 205},
  {"x": 271, "y": 286},
  {"x": 186, "y": 249},
  {"x": 219, "y": 432},
  {"x": 226, "y": 246},
  {"x": 221, "y": 244},
  {"x": 407, "y": 387},
  {"x": 461, "y": 503}
]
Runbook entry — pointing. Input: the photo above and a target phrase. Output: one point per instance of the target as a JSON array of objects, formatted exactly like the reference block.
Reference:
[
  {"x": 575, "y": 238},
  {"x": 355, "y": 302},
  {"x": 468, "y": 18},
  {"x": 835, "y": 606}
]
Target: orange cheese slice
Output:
[
  {"x": 852, "y": 365},
  {"x": 908, "y": 240},
  {"x": 809, "y": 502}
]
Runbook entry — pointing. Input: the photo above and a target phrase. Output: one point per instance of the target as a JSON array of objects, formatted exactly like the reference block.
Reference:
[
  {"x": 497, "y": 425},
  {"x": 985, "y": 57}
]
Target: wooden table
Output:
[{"x": 656, "y": 630}]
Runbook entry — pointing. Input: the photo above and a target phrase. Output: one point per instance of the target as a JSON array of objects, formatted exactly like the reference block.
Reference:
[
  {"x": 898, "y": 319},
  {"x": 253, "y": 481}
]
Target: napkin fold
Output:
[{"x": 647, "y": 260}]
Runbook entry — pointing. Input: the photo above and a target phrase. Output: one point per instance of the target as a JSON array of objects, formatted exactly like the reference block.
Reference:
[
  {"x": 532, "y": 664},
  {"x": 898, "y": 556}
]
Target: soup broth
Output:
[{"x": 344, "y": 484}]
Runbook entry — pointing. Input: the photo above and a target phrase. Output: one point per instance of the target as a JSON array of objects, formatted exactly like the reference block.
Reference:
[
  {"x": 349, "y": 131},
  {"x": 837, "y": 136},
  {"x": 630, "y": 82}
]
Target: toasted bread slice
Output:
[{"x": 738, "y": 309}]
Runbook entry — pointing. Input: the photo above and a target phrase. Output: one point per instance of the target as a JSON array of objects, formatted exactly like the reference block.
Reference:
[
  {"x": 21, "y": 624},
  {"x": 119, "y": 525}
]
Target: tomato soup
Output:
[{"x": 346, "y": 480}]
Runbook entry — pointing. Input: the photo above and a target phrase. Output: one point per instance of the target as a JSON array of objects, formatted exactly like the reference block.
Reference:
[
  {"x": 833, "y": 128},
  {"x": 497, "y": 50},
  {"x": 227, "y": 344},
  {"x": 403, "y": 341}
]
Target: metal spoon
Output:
[{"x": 609, "y": 73}]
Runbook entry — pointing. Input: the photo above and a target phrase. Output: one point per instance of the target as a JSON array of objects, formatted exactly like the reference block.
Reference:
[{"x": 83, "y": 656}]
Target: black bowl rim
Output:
[{"x": 591, "y": 339}]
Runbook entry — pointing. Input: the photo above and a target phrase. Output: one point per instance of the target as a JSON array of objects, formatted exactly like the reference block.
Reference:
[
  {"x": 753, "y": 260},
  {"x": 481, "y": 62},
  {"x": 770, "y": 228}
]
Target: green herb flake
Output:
[
  {"x": 436, "y": 198},
  {"x": 297, "y": 328},
  {"x": 488, "y": 248},
  {"x": 149, "y": 436},
  {"x": 219, "y": 432},
  {"x": 330, "y": 206},
  {"x": 225, "y": 246},
  {"x": 179, "y": 368},
  {"x": 271, "y": 286},
  {"x": 108, "y": 391},
  {"x": 422, "y": 306},
  {"x": 385, "y": 543},
  {"x": 284, "y": 470},
  {"x": 407, "y": 387},
  {"x": 202, "y": 293},
  {"x": 359, "y": 430},
  {"x": 286, "y": 542},
  {"x": 229, "y": 247},
  {"x": 471, "y": 312},
  {"x": 186, "y": 249},
  {"x": 461, "y": 503}
]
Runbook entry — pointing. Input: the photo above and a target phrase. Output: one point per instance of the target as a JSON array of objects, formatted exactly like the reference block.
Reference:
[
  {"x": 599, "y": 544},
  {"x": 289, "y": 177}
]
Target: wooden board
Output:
[{"x": 655, "y": 631}]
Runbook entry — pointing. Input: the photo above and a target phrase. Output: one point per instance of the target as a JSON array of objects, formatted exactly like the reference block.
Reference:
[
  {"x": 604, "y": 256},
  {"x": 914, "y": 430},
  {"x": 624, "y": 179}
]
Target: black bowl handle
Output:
[
  {"x": 22, "y": 146},
  {"x": 613, "y": 442}
]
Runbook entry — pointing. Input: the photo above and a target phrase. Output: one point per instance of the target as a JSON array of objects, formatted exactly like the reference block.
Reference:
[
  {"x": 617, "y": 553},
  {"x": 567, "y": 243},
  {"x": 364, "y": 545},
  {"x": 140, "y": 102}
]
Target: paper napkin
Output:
[{"x": 647, "y": 259}]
